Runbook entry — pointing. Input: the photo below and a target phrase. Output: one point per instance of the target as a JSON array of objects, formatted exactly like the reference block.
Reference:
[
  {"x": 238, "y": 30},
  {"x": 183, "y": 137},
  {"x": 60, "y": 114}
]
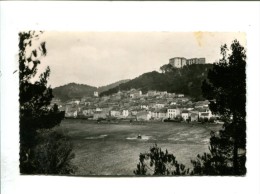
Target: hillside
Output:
[
  {"x": 110, "y": 86},
  {"x": 186, "y": 80},
  {"x": 73, "y": 90}
]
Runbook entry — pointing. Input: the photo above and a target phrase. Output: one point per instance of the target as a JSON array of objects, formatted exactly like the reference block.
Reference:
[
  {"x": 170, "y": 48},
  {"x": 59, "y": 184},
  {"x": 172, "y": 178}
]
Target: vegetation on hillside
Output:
[
  {"x": 72, "y": 91},
  {"x": 186, "y": 80},
  {"x": 43, "y": 150},
  {"x": 77, "y": 91},
  {"x": 110, "y": 86}
]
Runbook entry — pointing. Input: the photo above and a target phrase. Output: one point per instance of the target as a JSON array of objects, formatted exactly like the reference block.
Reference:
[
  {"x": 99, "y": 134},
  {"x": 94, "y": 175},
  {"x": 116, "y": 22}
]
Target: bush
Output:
[
  {"x": 54, "y": 154},
  {"x": 219, "y": 160},
  {"x": 212, "y": 120},
  {"x": 159, "y": 163},
  {"x": 51, "y": 155}
]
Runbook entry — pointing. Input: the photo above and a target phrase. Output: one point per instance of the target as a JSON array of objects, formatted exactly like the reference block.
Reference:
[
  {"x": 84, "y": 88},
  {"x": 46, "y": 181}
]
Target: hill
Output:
[
  {"x": 186, "y": 80},
  {"x": 74, "y": 90},
  {"x": 110, "y": 86}
]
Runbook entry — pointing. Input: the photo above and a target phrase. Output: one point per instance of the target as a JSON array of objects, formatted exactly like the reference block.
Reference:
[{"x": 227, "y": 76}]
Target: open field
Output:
[{"x": 113, "y": 149}]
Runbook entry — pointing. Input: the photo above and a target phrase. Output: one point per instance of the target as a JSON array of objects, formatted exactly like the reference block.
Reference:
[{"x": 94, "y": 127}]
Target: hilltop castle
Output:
[{"x": 179, "y": 62}]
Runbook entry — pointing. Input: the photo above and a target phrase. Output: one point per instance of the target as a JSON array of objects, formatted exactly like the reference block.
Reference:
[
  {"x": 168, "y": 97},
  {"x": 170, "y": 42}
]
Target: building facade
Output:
[
  {"x": 180, "y": 62},
  {"x": 196, "y": 61}
]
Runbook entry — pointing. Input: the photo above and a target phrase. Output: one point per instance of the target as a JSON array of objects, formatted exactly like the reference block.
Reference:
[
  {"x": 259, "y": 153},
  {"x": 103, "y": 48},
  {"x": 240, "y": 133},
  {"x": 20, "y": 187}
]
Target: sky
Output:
[{"x": 102, "y": 58}]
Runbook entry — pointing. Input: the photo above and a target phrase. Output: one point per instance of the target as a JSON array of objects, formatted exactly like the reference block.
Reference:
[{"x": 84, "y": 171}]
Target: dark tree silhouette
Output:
[
  {"x": 166, "y": 68},
  {"x": 36, "y": 120},
  {"x": 218, "y": 161},
  {"x": 159, "y": 163},
  {"x": 226, "y": 89}
]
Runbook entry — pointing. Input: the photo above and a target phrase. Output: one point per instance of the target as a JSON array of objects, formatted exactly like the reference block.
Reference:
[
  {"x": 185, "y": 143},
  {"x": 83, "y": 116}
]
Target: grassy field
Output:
[{"x": 113, "y": 149}]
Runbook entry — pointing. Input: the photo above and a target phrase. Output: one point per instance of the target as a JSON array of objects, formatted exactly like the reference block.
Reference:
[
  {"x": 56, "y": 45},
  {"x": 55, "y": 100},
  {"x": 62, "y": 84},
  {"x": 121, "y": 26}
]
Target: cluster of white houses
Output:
[{"x": 133, "y": 105}]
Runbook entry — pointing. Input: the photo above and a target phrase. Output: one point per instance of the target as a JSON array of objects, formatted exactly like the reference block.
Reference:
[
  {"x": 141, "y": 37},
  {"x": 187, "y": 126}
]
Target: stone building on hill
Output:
[{"x": 180, "y": 62}]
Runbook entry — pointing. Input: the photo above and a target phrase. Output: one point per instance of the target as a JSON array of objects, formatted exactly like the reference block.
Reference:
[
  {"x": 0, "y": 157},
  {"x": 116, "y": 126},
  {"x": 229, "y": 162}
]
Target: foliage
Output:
[
  {"x": 158, "y": 163},
  {"x": 218, "y": 161},
  {"x": 54, "y": 153},
  {"x": 185, "y": 80},
  {"x": 227, "y": 84},
  {"x": 226, "y": 89},
  {"x": 51, "y": 155},
  {"x": 109, "y": 86},
  {"x": 167, "y": 68},
  {"x": 36, "y": 119},
  {"x": 72, "y": 91}
]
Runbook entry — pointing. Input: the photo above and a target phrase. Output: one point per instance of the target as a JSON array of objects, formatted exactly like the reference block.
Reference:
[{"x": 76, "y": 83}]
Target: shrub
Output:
[{"x": 159, "y": 163}]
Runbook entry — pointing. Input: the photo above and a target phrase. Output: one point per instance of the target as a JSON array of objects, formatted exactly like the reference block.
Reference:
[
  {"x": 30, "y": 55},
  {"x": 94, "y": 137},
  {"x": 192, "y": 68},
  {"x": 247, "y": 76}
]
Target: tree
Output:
[
  {"x": 225, "y": 87},
  {"x": 159, "y": 163},
  {"x": 218, "y": 161},
  {"x": 36, "y": 120},
  {"x": 166, "y": 68}
]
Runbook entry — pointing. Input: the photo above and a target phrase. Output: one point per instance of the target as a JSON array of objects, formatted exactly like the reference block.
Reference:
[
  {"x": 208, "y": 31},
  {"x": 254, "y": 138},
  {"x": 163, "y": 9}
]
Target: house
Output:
[
  {"x": 172, "y": 112},
  {"x": 104, "y": 108},
  {"x": 135, "y": 110},
  {"x": 155, "y": 113},
  {"x": 115, "y": 112},
  {"x": 125, "y": 113},
  {"x": 205, "y": 113},
  {"x": 72, "y": 113},
  {"x": 96, "y": 93},
  {"x": 135, "y": 93},
  {"x": 144, "y": 106},
  {"x": 180, "y": 95},
  {"x": 116, "y": 96},
  {"x": 185, "y": 115},
  {"x": 143, "y": 116},
  {"x": 98, "y": 109},
  {"x": 151, "y": 93},
  {"x": 202, "y": 104},
  {"x": 172, "y": 95},
  {"x": 105, "y": 98},
  {"x": 74, "y": 102},
  {"x": 174, "y": 102},
  {"x": 183, "y": 99},
  {"x": 159, "y": 104},
  {"x": 99, "y": 115},
  {"x": 88, "y": 111},
  {"x": 163, "y": 113},
  {"x": 162, "y": 93}
]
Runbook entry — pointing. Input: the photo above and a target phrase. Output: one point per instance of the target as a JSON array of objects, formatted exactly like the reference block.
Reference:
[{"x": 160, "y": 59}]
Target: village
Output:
[{"x": 133, "y": 105}]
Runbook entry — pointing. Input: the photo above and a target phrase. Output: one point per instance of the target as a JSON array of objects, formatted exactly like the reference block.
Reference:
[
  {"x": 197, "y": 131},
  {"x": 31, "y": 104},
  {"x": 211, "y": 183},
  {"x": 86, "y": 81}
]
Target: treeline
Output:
[{"x": 186, "y": 80}]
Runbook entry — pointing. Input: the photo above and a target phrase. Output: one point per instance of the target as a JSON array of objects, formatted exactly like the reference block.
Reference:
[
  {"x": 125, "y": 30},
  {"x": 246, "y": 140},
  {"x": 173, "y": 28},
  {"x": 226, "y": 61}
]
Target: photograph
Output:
[
  {"x": 132, "y": 103},
  {"x": 129, "y": 97}
]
